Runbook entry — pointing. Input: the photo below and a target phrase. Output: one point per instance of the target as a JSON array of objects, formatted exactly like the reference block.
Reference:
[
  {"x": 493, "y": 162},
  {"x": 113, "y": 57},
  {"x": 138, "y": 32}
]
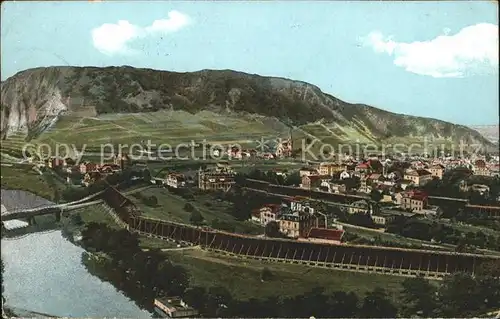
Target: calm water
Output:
[{"x": 44, "y": 273}]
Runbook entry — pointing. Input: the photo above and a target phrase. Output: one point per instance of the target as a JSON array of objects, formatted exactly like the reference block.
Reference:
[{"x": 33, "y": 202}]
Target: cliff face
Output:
[{"x": 33, "y": 99}]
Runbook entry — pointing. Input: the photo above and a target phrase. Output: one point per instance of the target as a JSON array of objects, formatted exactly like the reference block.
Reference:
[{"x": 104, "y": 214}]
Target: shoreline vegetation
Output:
[{"x": 120, "y": 257}]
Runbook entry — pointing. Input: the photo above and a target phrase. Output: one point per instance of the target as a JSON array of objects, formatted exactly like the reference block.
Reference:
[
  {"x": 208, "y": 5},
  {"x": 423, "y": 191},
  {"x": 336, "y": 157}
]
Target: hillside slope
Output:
[
  {"x": 490, "y": 132},
  {"x": 34, "y": 99}
]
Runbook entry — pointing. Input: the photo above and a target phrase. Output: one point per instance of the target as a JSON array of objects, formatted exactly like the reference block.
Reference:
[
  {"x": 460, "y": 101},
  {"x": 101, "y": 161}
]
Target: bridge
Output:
[
  {"x": 370, "y": 259},
  {"x": 30, "y": 213}
]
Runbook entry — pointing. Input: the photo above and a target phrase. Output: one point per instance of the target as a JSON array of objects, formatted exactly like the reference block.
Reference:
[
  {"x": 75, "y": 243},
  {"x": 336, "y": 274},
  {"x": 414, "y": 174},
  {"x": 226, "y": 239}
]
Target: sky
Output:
[{"x": 431, "y": 59}]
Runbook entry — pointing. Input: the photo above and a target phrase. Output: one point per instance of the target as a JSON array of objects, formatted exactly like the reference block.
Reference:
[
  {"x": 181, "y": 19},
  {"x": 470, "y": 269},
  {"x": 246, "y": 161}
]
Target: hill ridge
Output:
[{"x": 32, "y": 98}]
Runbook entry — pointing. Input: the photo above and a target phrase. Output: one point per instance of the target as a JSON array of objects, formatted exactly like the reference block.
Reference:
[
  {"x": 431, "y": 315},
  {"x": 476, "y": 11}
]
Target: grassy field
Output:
[
  {"x": 177, "y": 127},
  {"x": 242, "y": 276},
  {"x": 25, "y": 178},
  {"x": 171, "y": 207},
  {"x": 97, "y": 214},
  {"x": 171, "y": 127},
  {"x": 389, "y": 238}
]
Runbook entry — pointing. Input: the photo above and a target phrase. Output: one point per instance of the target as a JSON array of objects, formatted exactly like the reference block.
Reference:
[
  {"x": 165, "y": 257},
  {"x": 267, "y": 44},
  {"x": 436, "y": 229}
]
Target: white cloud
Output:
[
  {"x": 473, "y": 50},
  {"x": 113, "y": 39}
]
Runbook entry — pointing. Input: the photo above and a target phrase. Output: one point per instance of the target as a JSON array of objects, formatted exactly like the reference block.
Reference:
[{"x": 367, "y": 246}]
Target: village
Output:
[{"x": 387, "y": 188}]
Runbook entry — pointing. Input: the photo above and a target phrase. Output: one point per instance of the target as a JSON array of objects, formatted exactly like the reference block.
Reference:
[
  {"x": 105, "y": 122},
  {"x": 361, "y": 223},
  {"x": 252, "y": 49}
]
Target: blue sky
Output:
[{"x": 432, "y": 59}]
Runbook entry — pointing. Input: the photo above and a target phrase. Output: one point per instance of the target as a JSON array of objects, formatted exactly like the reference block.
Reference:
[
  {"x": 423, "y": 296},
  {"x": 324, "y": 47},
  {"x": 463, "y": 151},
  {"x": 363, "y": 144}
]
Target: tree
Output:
[
  {"x": 376, "y": 166},
  {"x": 146, "y": 175},
  {"x": 489, "y": 291},
  {"x": 196, "y": 217},
  {"x": 266, "y": 274},
  {"x": 459, "y": 296},
  {"x": 461, "y": 247},
  {"x": 351, "y": 182},
  {"x": 418, "y": 297},
  {"x": 272, "y": 229},
  {"x": 314, "y": 303},
  {"x": 376, "y": 304},
  {"x": 218, "y": 299},
  {"x": 343, "y": 305},
  {"x": 489, "y": 269},
  {"x": 188, "y": 207},
  {"x": 195, "y": 297},
  {"x": 77, "y": 219},
  {"x": 376, "y": 196},
  {"x": 293, "y": 179},
  {"x": 222, "y": 225},
  {"x": 151, "y": 201}
]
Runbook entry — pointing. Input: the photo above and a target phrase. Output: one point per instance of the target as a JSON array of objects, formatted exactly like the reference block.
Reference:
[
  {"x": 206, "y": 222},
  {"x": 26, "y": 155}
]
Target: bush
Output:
[
  {"x": 189, "y": 207},
  {"x": 151, "y": 201},
  {"x": 196, "y": 217},
  {"x": 222, "y": 225},
  {"x": 266, "y": 274}
]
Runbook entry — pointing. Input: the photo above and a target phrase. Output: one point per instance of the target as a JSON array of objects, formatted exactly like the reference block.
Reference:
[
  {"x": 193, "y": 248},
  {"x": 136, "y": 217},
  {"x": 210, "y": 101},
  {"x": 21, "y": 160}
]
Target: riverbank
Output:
[
  {"x": 209, "y": 269},
  {"x": 24, "y": 177},
  {"x": 77, "y": 221},
  {"x": 11, "y": 312}
]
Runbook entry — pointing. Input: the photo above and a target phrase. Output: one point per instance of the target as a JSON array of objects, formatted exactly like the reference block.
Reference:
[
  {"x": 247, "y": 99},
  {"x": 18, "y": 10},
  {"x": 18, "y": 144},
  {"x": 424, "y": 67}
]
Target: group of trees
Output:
[
  {"x": 218, "y": 302},
  {"x": 223, "y": 225},
  {"x": 449, "y": 186},
  {"x": 439, "y": 232},
  {"x": 292, "y": 179},
  {"x": 244, "y": 202},
  {"x": 123, "y": 178},
  {"x": 196, "y": 217},
  {"x": 459, "y": 295},
  {"x": 272, "y": 230},
  {"x": 151, "y": 201},
  {"x": 142, "y": 275},
  {"x": 146, "y": 275}
]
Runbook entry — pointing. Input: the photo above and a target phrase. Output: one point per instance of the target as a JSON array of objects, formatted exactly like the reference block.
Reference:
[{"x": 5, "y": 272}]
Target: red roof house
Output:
[
  {"x": 333, "y": 235},
  {"x": 480, "y": 163}
]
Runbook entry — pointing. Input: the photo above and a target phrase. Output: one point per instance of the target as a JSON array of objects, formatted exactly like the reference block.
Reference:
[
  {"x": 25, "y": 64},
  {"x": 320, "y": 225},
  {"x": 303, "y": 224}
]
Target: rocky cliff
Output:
[{"x": 33, "y": 99}]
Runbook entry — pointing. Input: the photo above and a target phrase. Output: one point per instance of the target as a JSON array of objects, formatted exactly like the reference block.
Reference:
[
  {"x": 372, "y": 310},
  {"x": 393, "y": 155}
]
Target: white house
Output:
[
  {"x": 344, "y": 175},
  {"x": 175, "y": 180}
]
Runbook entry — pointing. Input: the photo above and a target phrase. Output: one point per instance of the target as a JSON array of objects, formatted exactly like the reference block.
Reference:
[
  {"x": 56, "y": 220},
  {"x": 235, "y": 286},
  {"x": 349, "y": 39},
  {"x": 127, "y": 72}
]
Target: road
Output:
[{"x": 176, "y": 248}]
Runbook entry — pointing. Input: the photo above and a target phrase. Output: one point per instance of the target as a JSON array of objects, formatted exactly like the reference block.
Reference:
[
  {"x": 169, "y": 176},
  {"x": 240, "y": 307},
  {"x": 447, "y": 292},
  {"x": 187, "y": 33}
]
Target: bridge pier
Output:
[
  {"x": 31, "y": 221},
  {"x": 58, "y": 216}
]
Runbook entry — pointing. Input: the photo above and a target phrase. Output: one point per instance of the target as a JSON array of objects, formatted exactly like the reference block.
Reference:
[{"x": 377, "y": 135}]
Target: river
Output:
[{"x": 44, "y": 273}]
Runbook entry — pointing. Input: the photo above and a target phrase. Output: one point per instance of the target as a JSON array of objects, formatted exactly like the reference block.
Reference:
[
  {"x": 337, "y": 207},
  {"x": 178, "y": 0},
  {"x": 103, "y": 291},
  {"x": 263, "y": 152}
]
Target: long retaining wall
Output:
[{"x": 396, "y": 261}]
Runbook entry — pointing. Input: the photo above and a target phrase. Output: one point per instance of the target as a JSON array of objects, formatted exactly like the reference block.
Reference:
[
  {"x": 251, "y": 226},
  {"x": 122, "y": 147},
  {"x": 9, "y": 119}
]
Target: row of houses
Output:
[
  {"x": 418, "y": 166},
  {"x": 89, "y": 172},
  {"x": 278, "y": 148}
]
